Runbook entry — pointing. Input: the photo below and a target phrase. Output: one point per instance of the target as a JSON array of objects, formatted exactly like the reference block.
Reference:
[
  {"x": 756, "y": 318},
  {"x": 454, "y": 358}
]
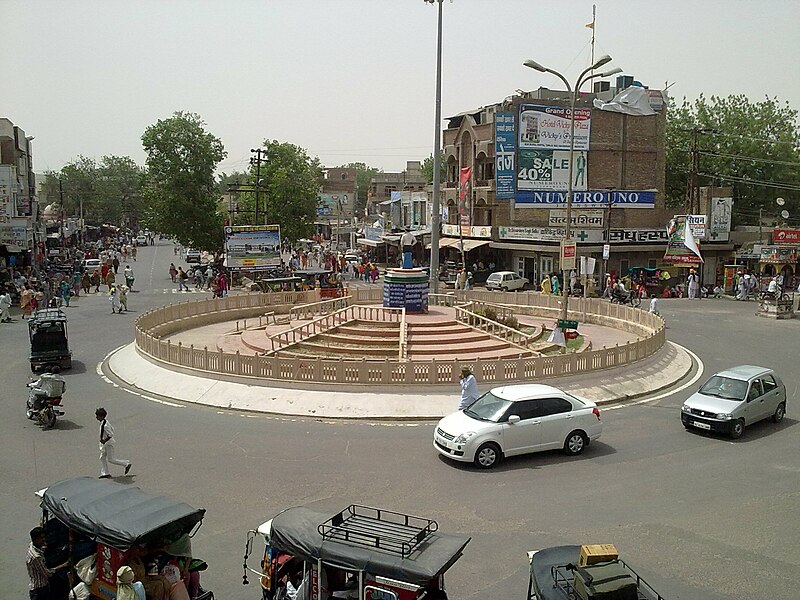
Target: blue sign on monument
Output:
[{"x": 505, "y": 137}]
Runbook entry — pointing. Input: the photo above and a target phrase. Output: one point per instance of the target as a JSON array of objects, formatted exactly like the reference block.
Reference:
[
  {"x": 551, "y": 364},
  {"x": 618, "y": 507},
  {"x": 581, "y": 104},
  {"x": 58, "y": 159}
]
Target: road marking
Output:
[
  {"x": 691, "y": 382},
  {"x": 104, "y": 377}
]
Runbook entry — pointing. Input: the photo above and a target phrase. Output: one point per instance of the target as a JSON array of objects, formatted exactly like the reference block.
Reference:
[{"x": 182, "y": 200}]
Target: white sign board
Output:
[
  {"x": 579, "y": 218},
  {"x": 719, "y": 229}
]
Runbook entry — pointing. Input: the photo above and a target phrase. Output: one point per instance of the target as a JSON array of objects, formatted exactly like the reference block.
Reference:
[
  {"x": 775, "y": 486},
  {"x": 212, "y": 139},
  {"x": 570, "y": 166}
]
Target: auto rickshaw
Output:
[
  {"x": 329, "y": 283},
  {"x": 96, "y": 522},
  {"x": 585, "y": 572},
  {"x": 47, "y": 329},
  {"x": 360, "y": 553}
]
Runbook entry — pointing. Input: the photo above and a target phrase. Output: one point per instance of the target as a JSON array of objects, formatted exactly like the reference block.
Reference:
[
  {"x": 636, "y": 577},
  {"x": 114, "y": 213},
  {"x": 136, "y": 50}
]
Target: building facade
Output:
[{"x": 507, "y": 168}]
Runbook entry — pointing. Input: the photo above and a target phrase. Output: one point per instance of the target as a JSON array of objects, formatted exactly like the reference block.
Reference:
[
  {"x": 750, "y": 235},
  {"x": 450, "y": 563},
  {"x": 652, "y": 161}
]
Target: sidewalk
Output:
[{"x": 662, "y": 370}]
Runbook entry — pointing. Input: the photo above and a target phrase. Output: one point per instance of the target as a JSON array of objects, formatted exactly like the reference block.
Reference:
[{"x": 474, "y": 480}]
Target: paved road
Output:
[{"x": 702, "y": 517}]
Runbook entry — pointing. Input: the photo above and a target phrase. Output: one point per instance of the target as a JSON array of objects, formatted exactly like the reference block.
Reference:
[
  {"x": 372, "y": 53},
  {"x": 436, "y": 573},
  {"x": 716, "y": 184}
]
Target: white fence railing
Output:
[{"x": 649, "y": 329}]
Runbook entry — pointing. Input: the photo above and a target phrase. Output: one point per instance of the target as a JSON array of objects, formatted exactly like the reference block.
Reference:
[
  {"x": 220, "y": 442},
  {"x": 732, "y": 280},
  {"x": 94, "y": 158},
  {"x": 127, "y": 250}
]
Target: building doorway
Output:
[{"x": 546, "y": 265}]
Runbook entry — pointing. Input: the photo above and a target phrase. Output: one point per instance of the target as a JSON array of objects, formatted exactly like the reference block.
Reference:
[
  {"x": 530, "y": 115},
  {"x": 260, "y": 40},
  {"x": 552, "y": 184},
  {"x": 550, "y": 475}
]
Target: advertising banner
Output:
[
  {"x": 252, "y": 247},
  {"x": 475, "y": 231},
  {"x": 786, "y": 236},
  {"x": 698, "y": 225},
  {"x": 505, "y": 137},
  {"x": 569, "y": 252},
  {"x": 681, "y": 248},
  {"x": 549, "y": 127},
  {"x": 588, "y": 199},
  {"x": 463, "y": 193},
  {"x": 545, "y": 169},
  {"x": 719, "y": 229},
  {"x": 778, "y": 255},
  {"x": 579, "y": 218}
]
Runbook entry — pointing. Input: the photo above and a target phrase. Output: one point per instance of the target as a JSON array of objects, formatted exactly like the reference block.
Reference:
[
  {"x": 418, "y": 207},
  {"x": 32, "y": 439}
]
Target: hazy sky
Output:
[{"x": 352, "y": 80}]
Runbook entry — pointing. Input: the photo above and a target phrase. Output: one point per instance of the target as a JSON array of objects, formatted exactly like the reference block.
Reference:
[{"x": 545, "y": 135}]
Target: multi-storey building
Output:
[{"x": 18, "y": 205}]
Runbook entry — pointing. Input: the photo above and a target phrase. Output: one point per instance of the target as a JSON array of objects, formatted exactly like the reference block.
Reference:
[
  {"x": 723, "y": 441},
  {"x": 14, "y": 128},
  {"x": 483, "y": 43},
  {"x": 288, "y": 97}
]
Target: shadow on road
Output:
[
  {"x": 753, "y": 432},
  {"x": 67, "y": 425}
]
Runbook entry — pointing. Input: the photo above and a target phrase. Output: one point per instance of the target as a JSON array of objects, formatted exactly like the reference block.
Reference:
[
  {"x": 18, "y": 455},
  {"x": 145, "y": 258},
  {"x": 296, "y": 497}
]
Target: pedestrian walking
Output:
[
  {"x": 469, "y": 388},
  {"x": 129, "y": 277},
  {"x": 26, "y": 301},
  {"x": 115, "y": 263},
  {"x": 110, "y": 279},
  {"x": 95, "y": 280},
  {"x": 692, "y": 282},
  {"x": 107, "y": 443},
  {"x": 133, "y": 253},
  {"x": 5, "y": 307},
  {"x": 182, "y": 277},
  {"x": 113, "y": 298},
  {"x": 64, "y": 292},
  {"x": 123, "y": 298},
  {"x": 173, "y": 272}
]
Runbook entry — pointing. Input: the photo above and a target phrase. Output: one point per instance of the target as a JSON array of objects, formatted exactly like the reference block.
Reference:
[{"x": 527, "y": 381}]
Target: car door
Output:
[
  {"x": 754, "y": 409},
  {"x": 771, "y": 397},
  {"x": 558, "y": 419},
  {"x": 525, "y": 435}
]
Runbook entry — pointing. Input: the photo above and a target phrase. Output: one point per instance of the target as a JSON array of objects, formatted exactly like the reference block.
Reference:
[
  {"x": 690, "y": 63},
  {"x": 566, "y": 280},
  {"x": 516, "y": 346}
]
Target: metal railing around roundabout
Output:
[{"x": 151, "y": 327}]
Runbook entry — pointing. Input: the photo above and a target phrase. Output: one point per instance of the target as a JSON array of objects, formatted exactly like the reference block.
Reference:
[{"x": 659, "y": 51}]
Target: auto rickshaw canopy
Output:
[
  {"x": 314, "y": 535},
  {"x": 118, "y": 515}
]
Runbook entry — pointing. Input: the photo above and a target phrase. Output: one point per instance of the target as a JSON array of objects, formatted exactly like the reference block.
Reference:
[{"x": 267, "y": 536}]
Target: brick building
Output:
[
  {"x": 516, "y": 215},
  {"x": 336, "y": 204}
]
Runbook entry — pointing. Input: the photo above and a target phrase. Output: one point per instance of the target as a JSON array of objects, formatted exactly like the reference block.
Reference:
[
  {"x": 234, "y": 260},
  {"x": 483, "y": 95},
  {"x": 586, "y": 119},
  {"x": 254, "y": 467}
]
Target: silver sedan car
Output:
[{"x": 733, "y": 399}]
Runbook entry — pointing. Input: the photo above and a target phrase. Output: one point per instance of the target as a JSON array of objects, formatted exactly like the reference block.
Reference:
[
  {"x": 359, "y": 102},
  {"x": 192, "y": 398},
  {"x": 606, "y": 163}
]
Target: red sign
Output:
[{"x": 786, "y": 236}]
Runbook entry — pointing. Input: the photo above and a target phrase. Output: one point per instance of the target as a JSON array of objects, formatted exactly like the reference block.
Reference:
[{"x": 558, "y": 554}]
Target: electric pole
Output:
[{"x": 260, "y": 156}]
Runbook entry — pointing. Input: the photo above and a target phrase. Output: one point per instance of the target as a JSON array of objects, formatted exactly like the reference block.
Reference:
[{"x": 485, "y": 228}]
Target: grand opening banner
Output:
[
  {"x": 549, "y": 127},
  {"x": 252, "y": 247}
]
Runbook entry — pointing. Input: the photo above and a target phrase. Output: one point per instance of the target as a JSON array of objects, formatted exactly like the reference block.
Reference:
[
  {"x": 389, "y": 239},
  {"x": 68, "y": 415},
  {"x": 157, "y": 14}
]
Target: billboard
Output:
[
  {"x": 547, "y": 169},
  {"x": 786, "y": 236},
  {"x": 549, "y": 127},
  {"x": 252, "y": 247},
  {"x": 586, "y": 199},
  {"x": 681, "y": 248},
  {"x": 505, "y": 140},
  {"x": 720, "y": 226}
]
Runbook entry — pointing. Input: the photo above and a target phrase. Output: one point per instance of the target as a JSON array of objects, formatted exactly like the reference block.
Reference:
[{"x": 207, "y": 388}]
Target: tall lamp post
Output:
[
  {"x": 437, "y": 159},
  {"x": 582, "y": 78}
]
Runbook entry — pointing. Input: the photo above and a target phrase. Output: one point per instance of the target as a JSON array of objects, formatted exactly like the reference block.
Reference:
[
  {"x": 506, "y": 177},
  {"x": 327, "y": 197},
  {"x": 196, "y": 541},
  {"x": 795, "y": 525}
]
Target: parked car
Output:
[
  {"x": 733, "y": 399},
  {"x": 192, "y": 255},
  {"x": 518, "y": 419},
  {"x": 91, "y": 264},
  {"x": 141, "y": 240},
  {"x": 506, "y": 281}
]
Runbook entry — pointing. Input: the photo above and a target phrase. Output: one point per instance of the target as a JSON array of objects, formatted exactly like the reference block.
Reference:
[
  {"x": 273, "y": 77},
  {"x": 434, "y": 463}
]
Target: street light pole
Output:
[
  {"x": 437, "y": 160},
  {"x": 574, "y": 91}
]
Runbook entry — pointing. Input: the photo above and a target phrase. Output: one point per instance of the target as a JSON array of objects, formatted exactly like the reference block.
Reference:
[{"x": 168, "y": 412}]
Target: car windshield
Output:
[
  {"x": 488, "y": 408},
  {"x": 725, "y": 388}
]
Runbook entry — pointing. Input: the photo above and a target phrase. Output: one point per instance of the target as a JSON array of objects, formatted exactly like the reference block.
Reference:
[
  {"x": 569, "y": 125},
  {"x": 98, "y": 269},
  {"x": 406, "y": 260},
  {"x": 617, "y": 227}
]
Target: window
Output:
[
  {"x": 555, "y": 406},
  {"x": 525, "y": 409},
  {"x": 769, "y": 383},
  {"x": 755, "y": 390}
]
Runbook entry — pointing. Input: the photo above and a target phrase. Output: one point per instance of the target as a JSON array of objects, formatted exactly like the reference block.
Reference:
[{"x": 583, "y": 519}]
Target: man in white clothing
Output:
[
  {"x": 692, "y": 283},
  {"x": 107, "y": 442},
  {"x": 469, "y": 388},
  {"x": 5, "y": 307}
]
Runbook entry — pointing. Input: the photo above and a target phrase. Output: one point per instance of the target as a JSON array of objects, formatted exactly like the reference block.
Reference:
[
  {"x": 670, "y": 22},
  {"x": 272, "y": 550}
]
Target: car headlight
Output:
[
  {"x": 686, "y": 408},
  {"x": 462, "y": 439},
  {"x": 724, "y": 416}
]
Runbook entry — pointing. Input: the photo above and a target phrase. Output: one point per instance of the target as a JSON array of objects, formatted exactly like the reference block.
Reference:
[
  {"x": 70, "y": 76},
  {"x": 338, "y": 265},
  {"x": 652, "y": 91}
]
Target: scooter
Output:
[{"x": 44, "y": 399}]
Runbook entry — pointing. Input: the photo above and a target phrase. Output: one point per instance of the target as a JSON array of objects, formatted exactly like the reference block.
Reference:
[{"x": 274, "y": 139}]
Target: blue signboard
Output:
[
  {"x": 588, "y": 199},
  {"x": 505, "y": 140}
]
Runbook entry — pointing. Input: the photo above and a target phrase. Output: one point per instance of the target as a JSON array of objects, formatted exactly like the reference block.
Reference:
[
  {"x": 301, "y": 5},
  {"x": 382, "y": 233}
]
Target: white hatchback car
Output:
[
  {"x": 518, "y": 419},
  {"x": 506, "y": 281}
]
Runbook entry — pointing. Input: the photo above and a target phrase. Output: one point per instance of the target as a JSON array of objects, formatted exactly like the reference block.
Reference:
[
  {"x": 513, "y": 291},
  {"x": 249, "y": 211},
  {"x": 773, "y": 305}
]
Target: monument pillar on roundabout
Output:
[{"x": 406, "y": 287}]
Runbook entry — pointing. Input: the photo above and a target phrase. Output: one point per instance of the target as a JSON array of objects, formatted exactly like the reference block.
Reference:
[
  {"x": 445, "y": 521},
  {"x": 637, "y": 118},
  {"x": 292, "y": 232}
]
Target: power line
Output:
[
  {"x": 746, "y": 137},
  {"x": 749, "y": 181},
  {"x": 750, "y": 158}
]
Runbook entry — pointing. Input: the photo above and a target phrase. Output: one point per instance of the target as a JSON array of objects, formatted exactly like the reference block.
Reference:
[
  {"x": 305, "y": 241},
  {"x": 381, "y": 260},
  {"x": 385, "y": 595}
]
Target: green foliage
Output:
[
  {"x": 427, "y": 169},
  {"x": 364, "y": 173},
  {"x": 110, "y": 191},
  {"x": 290, "y": 180},
  {"x": 180, "y": 190},
  {"x": 739, "y": 139}
]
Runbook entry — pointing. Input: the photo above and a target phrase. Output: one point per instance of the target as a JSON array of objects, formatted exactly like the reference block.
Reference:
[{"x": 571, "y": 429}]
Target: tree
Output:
[
  {"x": 288, "y": 188},
  {"x": 364, "y": 174},
  {"x": 427, "y": 169},
  {"x": 179, "y": 187},
  {"x": 754, "y": 147}
]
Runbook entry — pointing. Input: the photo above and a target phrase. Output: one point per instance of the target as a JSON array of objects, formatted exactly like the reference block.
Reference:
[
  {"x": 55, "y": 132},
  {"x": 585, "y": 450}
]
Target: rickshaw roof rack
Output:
[
  {"x": 50, "y": 314},
  {"x": 390, "y": 531}
]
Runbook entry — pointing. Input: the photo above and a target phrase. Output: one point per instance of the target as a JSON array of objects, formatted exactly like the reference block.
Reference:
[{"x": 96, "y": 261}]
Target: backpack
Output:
[{"x": 184, "y": 275}]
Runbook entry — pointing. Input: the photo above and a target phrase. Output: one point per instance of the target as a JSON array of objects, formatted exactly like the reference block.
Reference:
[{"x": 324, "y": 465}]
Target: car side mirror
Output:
[{"x": 513, "y": 419}]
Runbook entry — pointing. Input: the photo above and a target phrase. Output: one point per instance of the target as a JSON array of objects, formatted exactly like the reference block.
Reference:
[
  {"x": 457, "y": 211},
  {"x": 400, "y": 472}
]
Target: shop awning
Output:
[
  {"x": 471, "y": 244},
  {"x": 368, "y": 242},
  {"x": 444, "y": 243},
  {"x": 523, "y": 247}
]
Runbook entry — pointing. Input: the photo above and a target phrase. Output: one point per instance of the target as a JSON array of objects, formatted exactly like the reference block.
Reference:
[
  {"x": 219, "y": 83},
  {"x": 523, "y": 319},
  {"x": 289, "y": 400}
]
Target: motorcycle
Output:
[
  {"x": 44, "y": 399},
  {"x": 620, "y": 297}
]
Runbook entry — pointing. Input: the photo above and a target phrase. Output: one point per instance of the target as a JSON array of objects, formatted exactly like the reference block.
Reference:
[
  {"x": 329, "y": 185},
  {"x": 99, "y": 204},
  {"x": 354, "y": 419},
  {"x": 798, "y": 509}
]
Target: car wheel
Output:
[
  {"x": 504, "y": 289},
  {"x": 780, "y": 412},
  {"x": 738, "y": 429},
  {"x": 575, "y": 443},
  {"x": 487, "y": 456}
]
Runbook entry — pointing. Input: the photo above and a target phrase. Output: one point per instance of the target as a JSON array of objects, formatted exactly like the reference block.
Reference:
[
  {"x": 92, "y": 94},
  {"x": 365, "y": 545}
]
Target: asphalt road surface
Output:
[{"x": 700, "y": 517}]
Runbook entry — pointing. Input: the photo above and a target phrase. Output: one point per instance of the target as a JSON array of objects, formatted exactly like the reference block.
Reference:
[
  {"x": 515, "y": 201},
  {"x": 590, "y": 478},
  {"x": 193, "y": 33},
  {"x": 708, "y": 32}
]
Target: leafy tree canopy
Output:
[
  {"x": 110, "y": 191},
  {"x": 752, "y": 146},
  {"x": 288, "y": 188},
  {"x": 364, "y": 173},
  {"x": 427, "y": 169},
  {"x": 179, "y": 188}
]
